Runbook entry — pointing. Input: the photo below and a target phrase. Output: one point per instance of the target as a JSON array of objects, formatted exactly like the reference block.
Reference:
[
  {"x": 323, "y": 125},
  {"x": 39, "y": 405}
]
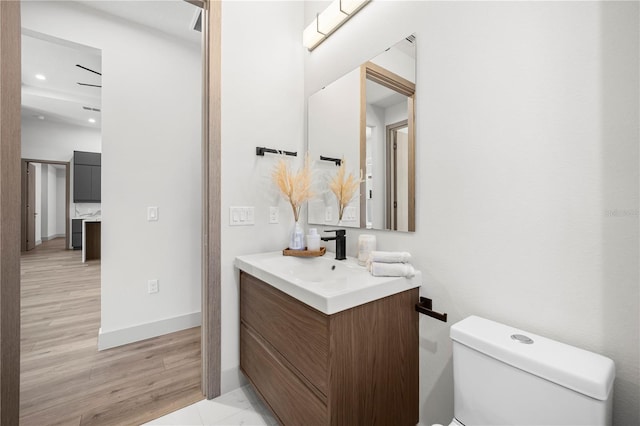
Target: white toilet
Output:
[{"x": 505, "y": 376}]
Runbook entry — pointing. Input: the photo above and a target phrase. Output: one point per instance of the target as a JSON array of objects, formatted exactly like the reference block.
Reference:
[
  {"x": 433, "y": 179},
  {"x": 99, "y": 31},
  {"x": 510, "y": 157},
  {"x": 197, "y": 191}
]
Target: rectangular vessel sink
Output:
[{"x": 323, "y": 283}]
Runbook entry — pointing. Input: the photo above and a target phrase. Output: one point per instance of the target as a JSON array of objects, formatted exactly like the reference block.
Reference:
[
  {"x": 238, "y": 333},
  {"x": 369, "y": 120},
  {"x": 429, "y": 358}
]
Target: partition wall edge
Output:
[
  {"x": 9, "y": 212},
  {"x": 211, "y": 200}
]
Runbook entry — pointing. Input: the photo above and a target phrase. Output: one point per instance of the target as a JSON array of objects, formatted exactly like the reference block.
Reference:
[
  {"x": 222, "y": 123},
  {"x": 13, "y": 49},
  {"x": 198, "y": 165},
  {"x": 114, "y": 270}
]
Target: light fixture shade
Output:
[
  {"x": 310, "y": 36},
  {"x": 351, "y": 6},
  {"x": 331, "y": 18},
  {"x": 336, "y": 14}
]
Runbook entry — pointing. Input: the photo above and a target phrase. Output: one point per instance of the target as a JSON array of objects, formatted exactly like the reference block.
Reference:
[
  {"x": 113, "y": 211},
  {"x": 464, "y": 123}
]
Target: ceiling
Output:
[
  {"x": 60, "y": 98},
  {"x": 173, "y": 17},
  {"x": 381, "y": 96}
]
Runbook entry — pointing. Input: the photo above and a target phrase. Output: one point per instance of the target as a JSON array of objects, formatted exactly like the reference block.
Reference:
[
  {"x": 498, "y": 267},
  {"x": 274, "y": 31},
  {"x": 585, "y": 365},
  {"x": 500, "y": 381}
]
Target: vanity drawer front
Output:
[
  {"x": 298, "y": 332},
  {"x": 288, "y": 397}
]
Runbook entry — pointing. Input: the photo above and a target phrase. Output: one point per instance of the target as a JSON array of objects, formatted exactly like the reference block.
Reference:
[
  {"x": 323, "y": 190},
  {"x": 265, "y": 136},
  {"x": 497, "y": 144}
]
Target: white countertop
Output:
[
  {"x": 88, "y": 219},
  {"x": 325, "y": 284}
]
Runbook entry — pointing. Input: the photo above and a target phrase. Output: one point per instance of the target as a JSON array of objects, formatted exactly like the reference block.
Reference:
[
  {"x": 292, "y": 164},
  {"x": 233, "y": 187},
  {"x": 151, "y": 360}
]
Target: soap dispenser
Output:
[{"x": 313, "y": 240}]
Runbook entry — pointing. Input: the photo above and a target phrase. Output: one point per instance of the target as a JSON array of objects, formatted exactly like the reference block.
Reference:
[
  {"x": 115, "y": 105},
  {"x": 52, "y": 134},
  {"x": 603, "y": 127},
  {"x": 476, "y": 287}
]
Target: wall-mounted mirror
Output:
[{"x": 366, "y": 119}]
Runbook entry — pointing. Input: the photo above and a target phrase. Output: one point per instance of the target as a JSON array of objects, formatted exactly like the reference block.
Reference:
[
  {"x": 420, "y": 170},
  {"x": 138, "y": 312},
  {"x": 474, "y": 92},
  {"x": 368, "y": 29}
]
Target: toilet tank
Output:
[{"x": 526, "y": 379}]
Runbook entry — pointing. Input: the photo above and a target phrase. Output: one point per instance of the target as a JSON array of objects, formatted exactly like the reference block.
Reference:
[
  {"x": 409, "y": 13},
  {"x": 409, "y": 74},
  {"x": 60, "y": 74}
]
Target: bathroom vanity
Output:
[{"x": 325, "y": 343}]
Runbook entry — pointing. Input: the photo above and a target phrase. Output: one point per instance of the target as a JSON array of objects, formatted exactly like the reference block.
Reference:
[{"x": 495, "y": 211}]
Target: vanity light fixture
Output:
[{"x": 329, "y": 20}]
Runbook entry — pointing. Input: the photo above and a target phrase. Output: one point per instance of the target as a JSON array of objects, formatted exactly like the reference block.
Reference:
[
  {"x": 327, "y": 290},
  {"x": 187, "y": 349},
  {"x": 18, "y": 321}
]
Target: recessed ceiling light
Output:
[
  {"x": 40, "y": 77},
  {"x": 92, "y": 120},
  {"x": 40, "y": 117}
]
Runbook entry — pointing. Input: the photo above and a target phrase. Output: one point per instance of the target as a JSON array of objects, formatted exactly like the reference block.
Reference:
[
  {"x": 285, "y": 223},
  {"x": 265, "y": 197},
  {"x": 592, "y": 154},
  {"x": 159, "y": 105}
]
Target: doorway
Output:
[
  {"x": 30, "y": 214},
  {"x": 397, "y": 159},
  {"x": 10, "y": 205}
]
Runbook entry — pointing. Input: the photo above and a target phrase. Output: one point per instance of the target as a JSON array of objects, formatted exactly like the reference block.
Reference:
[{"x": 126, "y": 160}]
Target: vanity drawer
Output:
[
  {"x": 298, "y": 332},
  {"x": 288, "y": 397}
]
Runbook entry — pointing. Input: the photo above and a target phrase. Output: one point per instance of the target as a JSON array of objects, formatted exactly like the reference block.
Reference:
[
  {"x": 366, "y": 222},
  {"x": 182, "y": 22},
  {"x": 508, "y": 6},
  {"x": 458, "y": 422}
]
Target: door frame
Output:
[
  {"x": 10, "y": 189},
  {"x": 392, "y": 173},
  {"x": 67, "y": 200},
  {"x": 10, "y": 82},
  {"x": 211, "y": 197}
]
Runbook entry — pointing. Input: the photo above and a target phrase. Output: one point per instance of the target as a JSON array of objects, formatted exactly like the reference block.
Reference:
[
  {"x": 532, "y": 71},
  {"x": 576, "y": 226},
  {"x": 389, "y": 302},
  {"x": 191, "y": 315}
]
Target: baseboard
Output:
[
  {"x": 38, "y": 242},
  {"x": 123, "y": 336},
  {"x": 231, "y": 379},
  {"x": 53, "y": 237}
]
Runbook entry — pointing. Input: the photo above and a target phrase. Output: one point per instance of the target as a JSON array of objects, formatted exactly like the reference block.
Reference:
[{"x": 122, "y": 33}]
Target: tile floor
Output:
[{"x": 239, "y": 407}]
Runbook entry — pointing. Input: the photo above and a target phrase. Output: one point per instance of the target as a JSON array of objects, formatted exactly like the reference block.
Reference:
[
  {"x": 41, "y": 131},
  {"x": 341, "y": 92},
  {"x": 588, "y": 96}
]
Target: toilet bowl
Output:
[{"x": 506, "y": 376}]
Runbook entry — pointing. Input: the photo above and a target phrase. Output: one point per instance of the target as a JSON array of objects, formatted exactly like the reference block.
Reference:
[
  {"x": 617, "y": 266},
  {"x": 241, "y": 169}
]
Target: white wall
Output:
[
  {"x": 262, "y": 105},
  {"x": 398, "y": 63},
  {"x": 151, "y": 133},
  {"x": 60, "y": 200},
  {"x": 56, "y": 201},
  {"x": 378, "y": 153},
  {"x": 44, "y": 202},
  {"x": 335, "y": 110},
  {"x": 47, "y": 140},
  {"x": 527, "y": 172}
]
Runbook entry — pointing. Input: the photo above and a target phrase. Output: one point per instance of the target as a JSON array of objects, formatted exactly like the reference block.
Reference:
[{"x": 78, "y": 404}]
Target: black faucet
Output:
[{"x": 341, "y": 242}]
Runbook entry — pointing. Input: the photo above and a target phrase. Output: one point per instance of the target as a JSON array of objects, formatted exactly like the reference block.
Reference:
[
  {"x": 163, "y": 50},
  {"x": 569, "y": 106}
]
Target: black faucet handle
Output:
[{"x": 339, "y": 232}]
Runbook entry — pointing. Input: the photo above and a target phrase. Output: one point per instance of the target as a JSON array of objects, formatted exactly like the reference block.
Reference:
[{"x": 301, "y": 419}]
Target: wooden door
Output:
[{"x": 31, "y": 207}]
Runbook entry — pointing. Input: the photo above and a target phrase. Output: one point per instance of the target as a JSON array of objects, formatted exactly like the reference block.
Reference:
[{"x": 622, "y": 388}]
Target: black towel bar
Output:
[
  {"x": 334, "y": 160},
  {"x": 426, "y": 307},
  {"x": 260, "y": 150}
]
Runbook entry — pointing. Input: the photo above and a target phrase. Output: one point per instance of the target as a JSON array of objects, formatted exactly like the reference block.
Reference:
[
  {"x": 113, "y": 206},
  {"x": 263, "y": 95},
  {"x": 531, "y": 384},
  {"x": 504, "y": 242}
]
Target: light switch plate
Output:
[
  {"x": 241, "y": 216},
  {"x": 152, "y": 286},
  {"x": 349, "y": 214},
  {"x": 152, "y": 214},
  {"x": 274, "y": 215},
  {"x": 328, "y": 214}
]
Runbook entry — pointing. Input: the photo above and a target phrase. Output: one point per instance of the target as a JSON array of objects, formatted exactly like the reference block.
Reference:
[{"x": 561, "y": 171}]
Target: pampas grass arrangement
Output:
[
  {"x": 294, "y": 186},
  {"x": 344, "y": 187}
]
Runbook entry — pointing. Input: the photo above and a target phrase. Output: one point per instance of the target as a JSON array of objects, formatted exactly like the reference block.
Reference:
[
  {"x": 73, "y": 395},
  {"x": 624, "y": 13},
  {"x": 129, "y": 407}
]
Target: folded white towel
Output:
[
  {"x": 379, "y": 269},
  {"x": 390, "y": 256}
]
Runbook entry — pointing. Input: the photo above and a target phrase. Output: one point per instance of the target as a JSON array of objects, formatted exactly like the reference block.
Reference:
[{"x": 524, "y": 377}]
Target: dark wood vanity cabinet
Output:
[
  {"x": 87, "y": 180},
  {"x": 355, "y": 367}
]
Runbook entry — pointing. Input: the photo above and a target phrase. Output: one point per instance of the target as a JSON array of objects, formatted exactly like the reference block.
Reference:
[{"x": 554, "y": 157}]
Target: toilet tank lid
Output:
[{"x": 574, "y": 368}]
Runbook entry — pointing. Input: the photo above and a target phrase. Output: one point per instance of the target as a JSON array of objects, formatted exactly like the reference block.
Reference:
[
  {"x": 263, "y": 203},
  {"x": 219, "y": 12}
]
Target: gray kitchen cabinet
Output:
[
  {"x": 87, "y": 182},
  {"x": 76, "y": 234}
]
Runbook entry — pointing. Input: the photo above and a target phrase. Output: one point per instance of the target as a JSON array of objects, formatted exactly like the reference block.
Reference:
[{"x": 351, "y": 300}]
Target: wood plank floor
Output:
[{"x": 64, "y": 379}]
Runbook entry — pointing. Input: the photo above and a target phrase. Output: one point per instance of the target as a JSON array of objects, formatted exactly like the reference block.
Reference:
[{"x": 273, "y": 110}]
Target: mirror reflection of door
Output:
[
  {"x": 397, "y": 165},
  {"x": 388, "y": 154}
]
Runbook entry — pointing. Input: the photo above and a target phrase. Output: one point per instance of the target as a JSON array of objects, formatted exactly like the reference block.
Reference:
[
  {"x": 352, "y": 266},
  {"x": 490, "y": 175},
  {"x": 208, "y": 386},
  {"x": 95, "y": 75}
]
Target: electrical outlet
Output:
[
  {"x": 152, "y": 214},
  {"x": 152, "y": 286},
  {"x": 274, "y": 215},
  {"x": 328, "y": 214}
]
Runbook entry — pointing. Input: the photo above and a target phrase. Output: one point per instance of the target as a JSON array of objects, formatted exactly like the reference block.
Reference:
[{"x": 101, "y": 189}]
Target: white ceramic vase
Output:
[{"x": 296, "y": 241}]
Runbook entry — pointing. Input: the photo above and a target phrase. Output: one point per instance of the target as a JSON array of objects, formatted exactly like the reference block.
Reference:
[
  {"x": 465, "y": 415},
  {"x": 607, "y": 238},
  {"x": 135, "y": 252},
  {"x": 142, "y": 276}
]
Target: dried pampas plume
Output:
[
  {"x": 344, "y": 187},
  {"x": 294, "y": 186}
]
